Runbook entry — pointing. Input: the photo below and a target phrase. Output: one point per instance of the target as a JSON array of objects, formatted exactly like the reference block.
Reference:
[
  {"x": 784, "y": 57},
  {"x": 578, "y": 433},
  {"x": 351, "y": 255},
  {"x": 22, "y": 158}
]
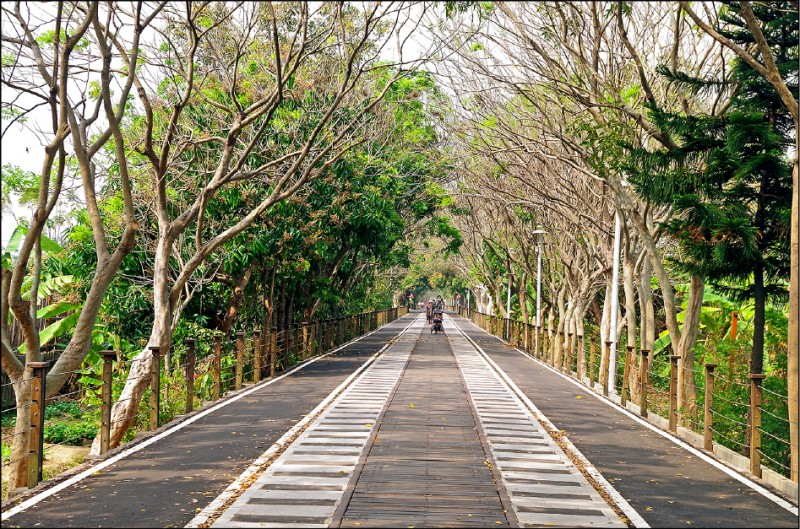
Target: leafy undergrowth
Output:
[{"x": 68, "y": 433}]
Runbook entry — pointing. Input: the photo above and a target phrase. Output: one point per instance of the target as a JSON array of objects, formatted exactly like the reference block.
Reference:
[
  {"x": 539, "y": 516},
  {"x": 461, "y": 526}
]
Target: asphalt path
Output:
[
  {"x": 167, "y": 483},
  {"x": 666, "y": 484}
]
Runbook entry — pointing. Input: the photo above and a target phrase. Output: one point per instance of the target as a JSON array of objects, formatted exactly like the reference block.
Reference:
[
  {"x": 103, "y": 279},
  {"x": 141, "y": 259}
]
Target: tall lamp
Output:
[
  {"x": 508, "y": 309},
  {"x": 538, "y": 239}
]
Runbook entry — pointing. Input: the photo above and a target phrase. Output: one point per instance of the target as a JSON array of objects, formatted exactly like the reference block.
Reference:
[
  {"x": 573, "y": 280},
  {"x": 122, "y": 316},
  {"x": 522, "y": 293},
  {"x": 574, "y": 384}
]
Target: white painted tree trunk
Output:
[{"x": 605, "y": 328}]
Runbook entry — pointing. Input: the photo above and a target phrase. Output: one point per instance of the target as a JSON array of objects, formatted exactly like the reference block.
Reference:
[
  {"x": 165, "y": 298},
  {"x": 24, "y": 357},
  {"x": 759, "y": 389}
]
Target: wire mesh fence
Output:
[{"x": 728, "y": 422}]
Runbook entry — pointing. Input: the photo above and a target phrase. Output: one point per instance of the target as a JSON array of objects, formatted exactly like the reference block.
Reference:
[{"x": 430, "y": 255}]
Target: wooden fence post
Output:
[
  {"x": 673, "y": 392},
  {"x": 755, "y": 423},
  {"x": 568, "y": 355},
  {"x": 273, "y": 351},
  {"x": 217, "y": 367},
  {"x": 155, "y": 386},
  {"x": 626, "y": 370},
  {"x": 643, "y": 378},
  {"x": 257, "y": 362},
  {"x": 36, "y": 436},
  {"x": 708, "y": 418},
  {"x": 105, "y": 397},
  {"x": 304, "y": 340},
  {"x": 189, "y": 375},
  {"x": 239, "y": 358}
]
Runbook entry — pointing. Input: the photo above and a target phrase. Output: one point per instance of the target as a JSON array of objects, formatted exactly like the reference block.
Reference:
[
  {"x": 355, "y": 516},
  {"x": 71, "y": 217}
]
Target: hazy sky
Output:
[
  {"x": 23, "y": 148},
  {"x": 13, "y": 152}
]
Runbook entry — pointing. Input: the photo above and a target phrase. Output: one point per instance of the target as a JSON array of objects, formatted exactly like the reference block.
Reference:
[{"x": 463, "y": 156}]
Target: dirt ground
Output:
[{"x": 57, "y": 459}]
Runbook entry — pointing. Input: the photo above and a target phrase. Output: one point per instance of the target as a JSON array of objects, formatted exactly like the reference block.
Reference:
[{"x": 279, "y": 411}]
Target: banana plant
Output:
[
  {"x": 47, "y": 286},
  {"x": 715, "y": 316}
]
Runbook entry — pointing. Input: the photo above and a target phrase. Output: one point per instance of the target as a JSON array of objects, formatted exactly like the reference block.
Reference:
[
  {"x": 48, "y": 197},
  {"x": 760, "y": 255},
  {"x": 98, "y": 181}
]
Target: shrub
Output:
[
  {"x": 70, "y": 433},
  {"x": 65, "y": 407},
  {"x": 9, "y": 418}
]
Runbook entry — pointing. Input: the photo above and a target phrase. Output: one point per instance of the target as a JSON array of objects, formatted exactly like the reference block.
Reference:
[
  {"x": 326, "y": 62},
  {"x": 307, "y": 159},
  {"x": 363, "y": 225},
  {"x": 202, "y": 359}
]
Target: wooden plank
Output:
[{"x": 427, "y": 467}]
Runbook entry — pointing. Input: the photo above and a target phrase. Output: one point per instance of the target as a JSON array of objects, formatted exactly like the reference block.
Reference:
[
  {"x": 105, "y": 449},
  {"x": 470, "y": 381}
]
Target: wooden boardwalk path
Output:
[
  {"x": 429, "y": 436},
  {"x": 404, "y": 428},
  {"x": 427, "y": 466}
]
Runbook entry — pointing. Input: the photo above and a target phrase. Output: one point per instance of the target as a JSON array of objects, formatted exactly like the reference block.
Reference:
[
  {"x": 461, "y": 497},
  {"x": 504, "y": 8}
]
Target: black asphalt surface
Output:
[
  {"x": 665, "y": 484},
  {"x": 168, "y": 482}
]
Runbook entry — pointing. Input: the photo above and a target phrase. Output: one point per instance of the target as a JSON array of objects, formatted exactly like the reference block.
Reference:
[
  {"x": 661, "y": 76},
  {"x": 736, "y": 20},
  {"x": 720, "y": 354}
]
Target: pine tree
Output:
[{"x": 729, "y": 179}]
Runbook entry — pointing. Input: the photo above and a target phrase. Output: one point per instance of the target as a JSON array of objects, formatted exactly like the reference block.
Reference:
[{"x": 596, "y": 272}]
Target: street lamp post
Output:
[
  {"x": 612, "y": 332},
  {"x": 508, "y": 309},
  {"x": 538, "y": 238}
]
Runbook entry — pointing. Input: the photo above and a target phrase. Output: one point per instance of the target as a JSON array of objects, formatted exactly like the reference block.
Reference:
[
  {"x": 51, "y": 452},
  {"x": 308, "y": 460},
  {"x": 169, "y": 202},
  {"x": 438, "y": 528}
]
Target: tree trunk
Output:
[
  {"x": 580, "y": 315},
  {"x": 501, "y": 299},
  {"x": 569, "y": 328},
  {"x": 647, "y": 322},
  {"x": 605, "y": 329},
  {"x": 759, "y": 321},
  {"x": 18, "y": 474},
  {"x": 557, "y": 341},
  {"x": 647, "y": 331},
  {"x": 269, "y": 299},
  {"x": 687, "y": 385},
  {"x": 630, "y": 317},
  {"x": 523, "y": 298},
  {"x": 124, "y": 411},
  {"x": 235, "y": 301}
]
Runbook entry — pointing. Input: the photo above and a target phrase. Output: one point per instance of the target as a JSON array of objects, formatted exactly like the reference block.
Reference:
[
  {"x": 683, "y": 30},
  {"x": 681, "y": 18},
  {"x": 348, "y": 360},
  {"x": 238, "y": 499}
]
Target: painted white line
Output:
[
  {"x": 626, "y": 508},
  {"x": 144, "y": 444},
  {"x": 705, "y": 457},
  {"x": 213, "y": 508}
]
